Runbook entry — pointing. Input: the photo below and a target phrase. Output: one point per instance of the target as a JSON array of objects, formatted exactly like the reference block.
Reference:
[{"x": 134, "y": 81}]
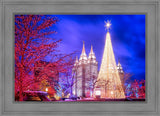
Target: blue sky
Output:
[{"x": 127, "y": 36}]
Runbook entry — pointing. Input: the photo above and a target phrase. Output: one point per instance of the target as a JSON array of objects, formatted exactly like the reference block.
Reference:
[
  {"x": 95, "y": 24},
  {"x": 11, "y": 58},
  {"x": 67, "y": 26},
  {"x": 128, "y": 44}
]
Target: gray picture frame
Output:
[{"x": 10, "y": 7}]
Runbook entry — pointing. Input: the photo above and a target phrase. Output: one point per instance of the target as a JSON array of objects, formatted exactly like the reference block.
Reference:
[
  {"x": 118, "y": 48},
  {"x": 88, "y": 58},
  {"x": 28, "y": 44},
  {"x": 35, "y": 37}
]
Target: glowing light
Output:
[
  {"x": 108, "y": 77},
  {"x": 46, "y": 89},
  {"x": 107, "y": 24},
  {"x": 98, "y": 92}
]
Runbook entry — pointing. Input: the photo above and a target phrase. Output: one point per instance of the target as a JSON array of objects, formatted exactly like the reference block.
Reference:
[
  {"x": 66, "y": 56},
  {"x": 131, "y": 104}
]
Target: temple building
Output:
[
  {"x": 120, "y": 71},
  {"x": 85, "y": 72}
]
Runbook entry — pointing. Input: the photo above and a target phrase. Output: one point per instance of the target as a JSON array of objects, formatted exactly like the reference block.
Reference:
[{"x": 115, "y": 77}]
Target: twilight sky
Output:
[{"x": 127, "y": 36}]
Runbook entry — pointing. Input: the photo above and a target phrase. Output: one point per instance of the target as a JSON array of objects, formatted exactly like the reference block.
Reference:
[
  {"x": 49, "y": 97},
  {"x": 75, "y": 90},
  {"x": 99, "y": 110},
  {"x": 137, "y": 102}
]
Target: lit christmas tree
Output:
[{"x": 108, "y": 82}]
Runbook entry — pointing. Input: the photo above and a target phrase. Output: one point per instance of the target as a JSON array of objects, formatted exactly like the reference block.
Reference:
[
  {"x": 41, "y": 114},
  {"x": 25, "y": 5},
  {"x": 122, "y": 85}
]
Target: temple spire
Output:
[
  {"x": 91, "y": 49},
  {"x": 83, "y": 54},
  {"x": 83, "y": 50},
  {"x": 76, "y": 59},
  {"x": 76, "y": 62},
  {"x": 119, "y": 67},
  {"x": 91, "y": 54}
]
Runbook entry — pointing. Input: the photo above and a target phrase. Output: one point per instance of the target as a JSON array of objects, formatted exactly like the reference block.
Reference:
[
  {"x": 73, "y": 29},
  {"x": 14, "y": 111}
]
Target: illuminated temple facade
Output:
[{"x": 85, "y": 72}]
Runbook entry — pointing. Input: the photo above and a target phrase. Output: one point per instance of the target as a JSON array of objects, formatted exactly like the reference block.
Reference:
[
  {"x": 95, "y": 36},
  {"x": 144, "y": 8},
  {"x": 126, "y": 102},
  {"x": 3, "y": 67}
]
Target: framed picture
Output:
[
  {"x": 79, "y": 58},
  {"x": 48, "y": 69}
]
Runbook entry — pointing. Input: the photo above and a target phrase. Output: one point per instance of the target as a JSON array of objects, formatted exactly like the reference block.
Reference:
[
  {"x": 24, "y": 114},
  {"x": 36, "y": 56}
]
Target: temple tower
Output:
[{"x": 85, "y": 73}]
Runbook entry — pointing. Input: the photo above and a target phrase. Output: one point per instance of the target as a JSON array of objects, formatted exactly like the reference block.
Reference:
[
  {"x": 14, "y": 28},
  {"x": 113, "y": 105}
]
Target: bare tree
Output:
[{"x": 126, "y": 79}]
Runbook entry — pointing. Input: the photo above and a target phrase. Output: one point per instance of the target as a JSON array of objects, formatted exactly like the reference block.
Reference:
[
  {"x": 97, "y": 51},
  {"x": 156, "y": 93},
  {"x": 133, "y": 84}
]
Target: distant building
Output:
[
  {"x": 85, "y": 73},
  {"x": 120, "y": 71}
]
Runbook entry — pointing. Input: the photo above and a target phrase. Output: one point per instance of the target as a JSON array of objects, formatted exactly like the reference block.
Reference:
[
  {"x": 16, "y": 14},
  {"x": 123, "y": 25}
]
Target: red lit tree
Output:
[
  {"x": 33, "y": 43},
  {"x": 142, "y": 89},
  {"x": 136, "y": 90}
]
